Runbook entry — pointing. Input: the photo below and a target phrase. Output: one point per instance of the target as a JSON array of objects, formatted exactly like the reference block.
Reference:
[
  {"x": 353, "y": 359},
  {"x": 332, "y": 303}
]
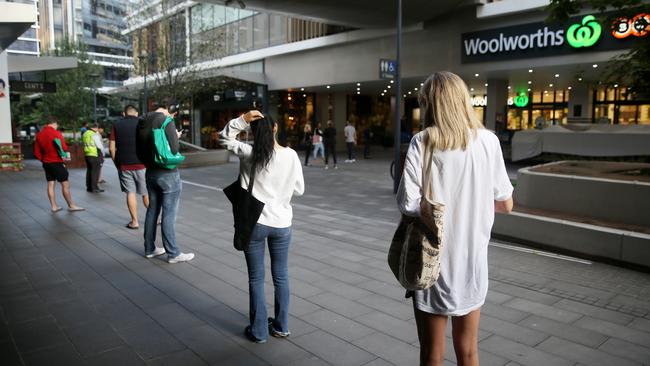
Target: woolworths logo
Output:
[{"x": 583, "y": 34}]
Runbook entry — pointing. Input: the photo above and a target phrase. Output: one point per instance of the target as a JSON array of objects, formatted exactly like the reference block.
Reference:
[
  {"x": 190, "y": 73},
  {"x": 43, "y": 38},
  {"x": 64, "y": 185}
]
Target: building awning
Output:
[
  {"x": 19, "y": 63},
  {"x": 15, "y": 19}
]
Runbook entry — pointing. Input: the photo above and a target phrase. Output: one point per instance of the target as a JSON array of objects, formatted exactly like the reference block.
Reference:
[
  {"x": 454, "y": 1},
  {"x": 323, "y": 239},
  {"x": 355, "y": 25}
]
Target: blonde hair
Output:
[{"x": 448, "y": 113}]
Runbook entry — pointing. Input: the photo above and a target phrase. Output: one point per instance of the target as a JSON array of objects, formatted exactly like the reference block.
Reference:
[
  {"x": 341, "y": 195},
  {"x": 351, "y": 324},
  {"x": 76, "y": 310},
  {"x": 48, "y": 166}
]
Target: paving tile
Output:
[
  {"x": 340, "y": 305},
  {"x": 276, "y": 352},
  {"x": 38, "y": 334},
  {"x": 9, "y": 355},
  {"x": 511, "y": 331},
  {"x": 378, "y": 362},
  {"x": 579, "y": 353},
  {"x": 627, "y": 350},
  {"x": 209, "y": 344},
  {"x": 546, "y": 311},
  {"x": 174, "y": 317},
  {"x": 73, "y": 313},
  {"x": 640, "y": 324},
  {"x": 503, "y": 312},
  {"x": 399, "y": 307},
  {"x": 521, "y": 353},
  {"x": 525, "y": 293},
  {"x": 150, "y": 340},
  {"x": 310, "y": 361},
  {"x": 332, "y": 349},
  {"x": 341, "y": 288},
  {"x": 390, "y": 349},
  {"x": 63, "y": 354},
  {"x": 93, "y": 338},
  {"x": 497, "y": 297},
  {"x": 337, "y": 325},
  {"x": 564, "y": 331},
  {"x": 122, "y": 356},
  {"x": 401, "y": 329},
  {"x": 594, "y": 311},
  {"x": 614, "y": 330}
]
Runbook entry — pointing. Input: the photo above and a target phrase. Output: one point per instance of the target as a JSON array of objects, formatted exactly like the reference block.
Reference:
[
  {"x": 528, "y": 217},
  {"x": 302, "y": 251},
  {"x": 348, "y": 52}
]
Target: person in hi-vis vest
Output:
[{"x": 93, "y": 146}]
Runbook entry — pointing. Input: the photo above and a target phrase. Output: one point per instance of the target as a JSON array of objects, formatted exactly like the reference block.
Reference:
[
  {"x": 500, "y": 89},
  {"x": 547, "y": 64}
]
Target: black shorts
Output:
[{"x": 55, "y": 172}]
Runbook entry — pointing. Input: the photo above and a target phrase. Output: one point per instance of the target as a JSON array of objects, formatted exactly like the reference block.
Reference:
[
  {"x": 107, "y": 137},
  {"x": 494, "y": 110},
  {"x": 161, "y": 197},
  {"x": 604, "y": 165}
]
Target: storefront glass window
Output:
[
  {"x": 644, "y": 114},
  {"x": 611, "y": 94},
  {"x": 604, "y": 113},
  {"x": 547, "y": 96},
  {"x": 627, "y": 114},
  {"x": 537, "y": 97}
]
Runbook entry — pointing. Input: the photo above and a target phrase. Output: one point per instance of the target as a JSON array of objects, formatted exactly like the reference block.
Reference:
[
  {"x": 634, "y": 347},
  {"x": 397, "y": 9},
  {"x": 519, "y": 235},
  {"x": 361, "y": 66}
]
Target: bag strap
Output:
[
  {"x": 426, "y": 166},
  {"x": 168, "y": 119}
]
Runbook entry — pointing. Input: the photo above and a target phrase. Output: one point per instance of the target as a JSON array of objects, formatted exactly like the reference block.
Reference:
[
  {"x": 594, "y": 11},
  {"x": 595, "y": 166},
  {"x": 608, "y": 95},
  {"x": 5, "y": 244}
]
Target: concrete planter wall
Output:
[{"x": 613, "y": 200}]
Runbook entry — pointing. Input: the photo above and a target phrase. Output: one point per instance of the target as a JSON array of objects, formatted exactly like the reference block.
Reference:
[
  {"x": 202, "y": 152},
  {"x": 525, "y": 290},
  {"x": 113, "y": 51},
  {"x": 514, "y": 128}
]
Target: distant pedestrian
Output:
[
  {"x": 367, "y": 138},
  {"x": 278, "y": 177},
  {"x": 92, "y": 146},
  {"x": 101, "y": 151},
  {"x": 317, "y": 142},
  {"x": 307, "y": 136},
  {"x": 163, "y": 185},
  {"x": 329, "y": 139},
  {"x": 131, "y": 171},
  {"x": 350, "y": 141},
  {"x": 50, "y": 148},
  {"x": 469, "y": 178},
  {"x": 84, "y": 128}
]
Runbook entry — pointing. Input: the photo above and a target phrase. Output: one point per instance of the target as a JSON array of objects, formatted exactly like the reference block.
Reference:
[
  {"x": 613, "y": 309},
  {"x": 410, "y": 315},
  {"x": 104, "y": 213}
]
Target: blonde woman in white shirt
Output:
[
  {"x": 278, "y": 177},
  {"x": 470, "y": 179}
]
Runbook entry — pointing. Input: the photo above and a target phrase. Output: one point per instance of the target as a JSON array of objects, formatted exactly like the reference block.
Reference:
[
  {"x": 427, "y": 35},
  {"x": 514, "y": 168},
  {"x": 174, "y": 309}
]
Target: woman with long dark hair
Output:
[{"x": 278, "y": 177}]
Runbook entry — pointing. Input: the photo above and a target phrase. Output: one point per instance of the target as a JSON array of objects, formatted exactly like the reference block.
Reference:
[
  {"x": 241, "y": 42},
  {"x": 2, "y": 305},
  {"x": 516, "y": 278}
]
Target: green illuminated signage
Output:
[
  {"x": 584, "y": 34},
  {"x": 521, "y": 100}
]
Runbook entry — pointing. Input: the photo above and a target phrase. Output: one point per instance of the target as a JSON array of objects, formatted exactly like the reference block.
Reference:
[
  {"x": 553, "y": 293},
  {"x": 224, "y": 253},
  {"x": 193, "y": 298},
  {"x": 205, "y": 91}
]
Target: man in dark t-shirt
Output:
[
  {"x": 163, "y": 185},
  {"x": 329, "y": 140}
]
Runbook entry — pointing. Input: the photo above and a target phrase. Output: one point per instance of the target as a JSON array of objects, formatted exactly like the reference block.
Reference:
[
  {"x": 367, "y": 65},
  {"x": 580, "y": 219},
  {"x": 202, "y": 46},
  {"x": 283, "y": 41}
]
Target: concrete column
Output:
[
  {"x": 340, "y": 115},
  {"x": 497, "y": 101},
  {"x": 5, "y": 112},
  {"x": 580, "y": 104},
  {"x": 322, "y": 109}
]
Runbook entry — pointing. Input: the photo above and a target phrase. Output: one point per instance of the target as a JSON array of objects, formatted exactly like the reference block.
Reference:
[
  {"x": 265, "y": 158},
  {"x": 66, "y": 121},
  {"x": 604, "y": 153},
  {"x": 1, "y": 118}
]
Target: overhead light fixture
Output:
[
  {"x": 509, "y": 87},
  {"x": 404, "y": 95},
  {"x": 471, "y": 89},
  {"x": 358, "y": 89},
  {"x": 304, "y": 95},
  {"x": 302, "y": 89},
  {"x": 358, "y": 84},
  {"x": 530, "y": 82},
  {"x": 388, "y": 86},
  {"x": 569, "y": 87},
  {"x": 476, "y": 75},
  {"x": 328, "y": 87},
  {"x": 594, "y": 66},
  {"x": 409, "y": 93},
  {"x": 421, "y": 84},
  {"x": 391, "y": 81},
  {"x": 486, "y": 84},
  {"x": 550, "y": 85},
  {"x": 579, "y": 79},
  {"x": 557, "y": 75},
  {"x": 529, "y": 89},
  {"x": 239, "y": 2},
  {"x": 416, "y": 89},
  {"x": 616, "y": 85},
  {"x": 358, "y": 92},
  {"x": 385, "y": 91},
  {"x": 530, "y": 70}
]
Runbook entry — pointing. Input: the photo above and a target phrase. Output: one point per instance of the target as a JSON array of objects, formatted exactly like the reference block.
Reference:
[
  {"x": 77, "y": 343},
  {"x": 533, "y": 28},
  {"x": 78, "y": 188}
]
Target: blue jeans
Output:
[
  {"x": 164, "y": 194},
  {"x": 278, "y": 240},
  {"x": 319, "y": 147}
]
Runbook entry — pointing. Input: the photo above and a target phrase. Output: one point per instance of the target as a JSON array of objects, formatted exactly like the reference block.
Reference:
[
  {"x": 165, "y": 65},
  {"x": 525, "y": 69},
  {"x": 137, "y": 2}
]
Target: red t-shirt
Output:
[
  {"x": 125, "y": 167},
  {"x": 44, "y": 148}
]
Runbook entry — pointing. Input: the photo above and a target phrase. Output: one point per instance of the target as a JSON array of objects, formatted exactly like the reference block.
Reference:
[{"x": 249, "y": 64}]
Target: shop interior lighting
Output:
[
  {"x": 550, "y": 85},
  {"x": 529, "y": 89},
  {"x": 471, "y": 89},
  {"x": 594, "y": 66},
  {"x": 509, "y": 87},
  {"x": 476, "y": 75},
  {"x": 616, "y": 85},
  {"x": 569, "y": 87},
  {"x": 557, "y": 75},
  {"x": 530, "y": 82},
  {"x": 486, "y": 84},
  {"x": 530, "y": 70},
  {"x": 304, "y": 95}
]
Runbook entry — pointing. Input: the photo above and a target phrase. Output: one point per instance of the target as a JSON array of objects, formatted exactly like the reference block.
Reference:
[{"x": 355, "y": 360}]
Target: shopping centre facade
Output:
[{"x": 314, "y": 65}]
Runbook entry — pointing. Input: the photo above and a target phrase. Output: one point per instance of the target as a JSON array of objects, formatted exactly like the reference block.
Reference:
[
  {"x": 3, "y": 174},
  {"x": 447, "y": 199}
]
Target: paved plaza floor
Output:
[{"x": 75, "y": 288}]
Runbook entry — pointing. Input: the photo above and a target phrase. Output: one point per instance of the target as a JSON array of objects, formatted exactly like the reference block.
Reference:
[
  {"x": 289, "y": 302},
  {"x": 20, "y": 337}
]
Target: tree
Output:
[
  {"x": 72, "y": 103},
  {"x": 161, "y": 49},
  {"x": 632, "y": 67}
]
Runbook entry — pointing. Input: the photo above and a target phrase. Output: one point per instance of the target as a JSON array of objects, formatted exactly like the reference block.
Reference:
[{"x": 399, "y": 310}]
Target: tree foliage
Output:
[{"x": 632, "y": 67}]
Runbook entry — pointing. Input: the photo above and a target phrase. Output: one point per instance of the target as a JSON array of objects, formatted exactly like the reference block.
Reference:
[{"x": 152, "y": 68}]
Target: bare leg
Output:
[
  {"x": 465, "y": 334},
  {"x": 65, "y": 189},
  {"x": 132, "y": 204},
  {"x": 431, "y": 333},
  {"x": 145, "y": 200},
  {"x": 51, "y": 195}
]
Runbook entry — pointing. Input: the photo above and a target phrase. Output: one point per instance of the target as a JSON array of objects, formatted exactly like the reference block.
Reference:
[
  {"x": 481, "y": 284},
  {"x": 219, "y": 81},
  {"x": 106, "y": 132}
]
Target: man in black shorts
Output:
[{"x": 49, "y": 146}]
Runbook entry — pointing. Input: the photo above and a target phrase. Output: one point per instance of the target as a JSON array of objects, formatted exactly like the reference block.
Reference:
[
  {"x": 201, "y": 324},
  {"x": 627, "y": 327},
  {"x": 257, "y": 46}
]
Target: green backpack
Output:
[{"x": 162, "y": 154}]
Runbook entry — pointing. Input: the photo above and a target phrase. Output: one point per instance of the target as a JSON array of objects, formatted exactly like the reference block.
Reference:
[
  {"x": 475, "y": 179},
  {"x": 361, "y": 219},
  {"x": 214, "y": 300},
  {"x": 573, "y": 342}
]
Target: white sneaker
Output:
[
  {"x": 155, "y": 253},
  {"x": 326, "y": 167},
  {"x": 353, "y": 161},
  {"x": 335, "y": 167},
  {"x": 183, "y": 257}
]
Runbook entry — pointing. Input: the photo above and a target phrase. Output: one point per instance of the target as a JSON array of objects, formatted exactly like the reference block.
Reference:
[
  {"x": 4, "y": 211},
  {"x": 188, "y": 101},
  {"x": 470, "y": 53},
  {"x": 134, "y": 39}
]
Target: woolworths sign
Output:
[{"x": 581, "y": 34}]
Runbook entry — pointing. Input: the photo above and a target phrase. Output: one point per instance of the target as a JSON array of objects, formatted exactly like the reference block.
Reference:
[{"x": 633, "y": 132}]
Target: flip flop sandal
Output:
[
  {"x": 128, "y": 226},
  {"x": 57, "y": 209}
]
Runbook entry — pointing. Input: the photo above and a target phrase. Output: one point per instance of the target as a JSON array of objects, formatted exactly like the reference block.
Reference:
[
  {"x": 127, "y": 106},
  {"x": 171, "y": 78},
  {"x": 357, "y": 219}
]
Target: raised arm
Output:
[
  {"x": 228, "y": 137},
  {"x": 410, "y": 187}
]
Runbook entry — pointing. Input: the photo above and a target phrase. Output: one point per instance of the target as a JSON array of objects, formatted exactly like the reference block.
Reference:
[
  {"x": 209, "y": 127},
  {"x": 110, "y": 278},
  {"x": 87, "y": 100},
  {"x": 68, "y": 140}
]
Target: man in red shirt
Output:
[{"x": 47, "y": 151}]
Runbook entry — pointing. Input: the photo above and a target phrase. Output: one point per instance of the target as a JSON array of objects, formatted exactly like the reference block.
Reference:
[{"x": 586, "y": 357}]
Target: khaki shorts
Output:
[{"x": 133, "y": 181}]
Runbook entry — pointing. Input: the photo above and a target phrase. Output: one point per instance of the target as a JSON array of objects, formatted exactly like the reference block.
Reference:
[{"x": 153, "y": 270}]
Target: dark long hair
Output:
[{"x": 263, "y": 142}]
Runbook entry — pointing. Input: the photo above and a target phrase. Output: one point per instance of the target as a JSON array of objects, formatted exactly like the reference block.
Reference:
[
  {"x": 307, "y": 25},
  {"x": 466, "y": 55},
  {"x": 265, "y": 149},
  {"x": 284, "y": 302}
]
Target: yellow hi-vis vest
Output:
[{"x": 90, "y": 149}]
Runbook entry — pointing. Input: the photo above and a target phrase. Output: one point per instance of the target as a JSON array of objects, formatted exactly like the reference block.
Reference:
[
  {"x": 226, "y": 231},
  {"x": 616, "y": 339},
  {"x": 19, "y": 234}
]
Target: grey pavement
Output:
[{"x": 75, "y": 288}]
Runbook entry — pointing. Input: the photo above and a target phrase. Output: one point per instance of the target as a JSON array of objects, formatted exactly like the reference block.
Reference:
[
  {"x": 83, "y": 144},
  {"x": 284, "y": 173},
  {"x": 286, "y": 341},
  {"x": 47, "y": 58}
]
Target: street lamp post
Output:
[
  {"x": 398, "y": 98},
  {"x": 143, "y": 56}
]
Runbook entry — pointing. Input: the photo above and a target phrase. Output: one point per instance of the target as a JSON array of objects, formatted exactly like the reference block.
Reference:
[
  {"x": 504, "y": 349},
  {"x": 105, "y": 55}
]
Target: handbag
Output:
[
  {"x": 414, "y": 255},
  {"x": 162, "y": 153},
  {"x": 246, "y": 210}
]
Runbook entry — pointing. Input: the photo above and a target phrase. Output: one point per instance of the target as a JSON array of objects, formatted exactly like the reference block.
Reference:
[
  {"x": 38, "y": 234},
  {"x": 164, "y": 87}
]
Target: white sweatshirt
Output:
[{"x": 274, "y": 185}]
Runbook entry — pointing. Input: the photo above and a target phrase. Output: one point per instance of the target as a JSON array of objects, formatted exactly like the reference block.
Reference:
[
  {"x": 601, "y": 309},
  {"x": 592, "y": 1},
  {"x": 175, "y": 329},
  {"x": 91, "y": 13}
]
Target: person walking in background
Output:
[
  {"x": 49, "y": 146},
  {"x": 350, "y": 140},
  {"x": 307, "y": 136},
  {"x": 329, "y": 139},
  {"x": 317, "y": 142},
  {"x": 367, "y": 138},
  {"x": 84, "y": 128},
  {"x": 163, "y": 185},
  {"x": 131, "y": 171},
  {"x": 92, "y": 146},
  {"x": 101, "y": 151},
  {"x": 278, "y": 177},
  {"x": 474, "y": 185}
]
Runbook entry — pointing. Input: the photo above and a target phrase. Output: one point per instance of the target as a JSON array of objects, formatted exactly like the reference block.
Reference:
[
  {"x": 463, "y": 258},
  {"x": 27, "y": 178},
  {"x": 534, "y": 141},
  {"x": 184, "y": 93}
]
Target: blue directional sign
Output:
[{"x": 387, "y": 69}]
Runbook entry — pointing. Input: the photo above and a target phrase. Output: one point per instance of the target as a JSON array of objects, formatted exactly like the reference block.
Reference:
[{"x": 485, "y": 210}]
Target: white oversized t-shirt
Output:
[{"x": 467, "y": 183}]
